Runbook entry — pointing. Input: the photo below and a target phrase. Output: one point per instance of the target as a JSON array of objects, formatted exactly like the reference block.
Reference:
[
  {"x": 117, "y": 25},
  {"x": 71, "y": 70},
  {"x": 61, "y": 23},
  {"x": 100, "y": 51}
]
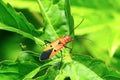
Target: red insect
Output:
[{"x": 56, "y": 46}]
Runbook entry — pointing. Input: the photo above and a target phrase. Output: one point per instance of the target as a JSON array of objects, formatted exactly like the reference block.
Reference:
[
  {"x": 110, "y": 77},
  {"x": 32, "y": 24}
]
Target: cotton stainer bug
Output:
[{"x": 55, "y": 46}]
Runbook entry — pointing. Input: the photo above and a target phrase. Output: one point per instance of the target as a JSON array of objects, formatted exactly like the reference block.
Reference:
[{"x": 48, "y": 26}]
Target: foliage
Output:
[{"x": 95, "y": 49}]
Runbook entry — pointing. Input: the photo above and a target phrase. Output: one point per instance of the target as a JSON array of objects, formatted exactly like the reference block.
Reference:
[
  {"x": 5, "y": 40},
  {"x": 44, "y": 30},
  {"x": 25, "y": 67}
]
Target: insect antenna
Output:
[{"x": 76, "y": 27}]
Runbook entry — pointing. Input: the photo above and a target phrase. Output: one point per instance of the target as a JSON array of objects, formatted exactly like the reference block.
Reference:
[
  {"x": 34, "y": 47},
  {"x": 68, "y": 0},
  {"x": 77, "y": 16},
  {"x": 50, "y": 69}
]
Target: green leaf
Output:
[
  {"x": 16, "y": 22},
  {"x": 56, "y": 16},
  {"x": 52, "y": 72},
  {"x": 23, "y": 4},
  {"x": 97, "y": 66},
  {"x": 6, "y": 69},
  {"x": 73, "y": 70},
  {"x": 77, "y": 71},
  {"x": 69, "y": 17},
  {"x": 27, "y": 56},
  {"x": 32, "y": 74},
  {"x": 15, "y": 70}
]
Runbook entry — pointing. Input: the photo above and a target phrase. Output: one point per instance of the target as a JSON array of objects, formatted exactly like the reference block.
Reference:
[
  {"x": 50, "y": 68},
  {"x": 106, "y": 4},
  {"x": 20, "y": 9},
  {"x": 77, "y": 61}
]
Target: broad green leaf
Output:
[
  {"x": 51, "y": 73},
  {"x": 10, "y": 77},
  {"x": 24, "y": 4},
  {"x": 57, "y": 18},
  {"x": 14, "y": 70},
  {"x": 6, "y": 69},
  {"x": 72, "y": 70},
  {"x": 27, "y": 56},
  {"x": 97, "y": 66},
  {"x": 16, "y": 22},
  {"x": 77, "y": 71}
]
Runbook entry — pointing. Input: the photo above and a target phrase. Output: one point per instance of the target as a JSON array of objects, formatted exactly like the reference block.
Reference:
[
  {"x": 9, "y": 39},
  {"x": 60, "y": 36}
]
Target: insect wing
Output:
[{"x": 45, "y": 55}]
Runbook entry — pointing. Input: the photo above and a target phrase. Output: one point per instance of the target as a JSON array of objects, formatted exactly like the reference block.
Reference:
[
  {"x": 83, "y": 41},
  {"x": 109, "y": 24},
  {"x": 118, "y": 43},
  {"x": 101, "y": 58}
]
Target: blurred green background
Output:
[{"x": 98, "y": 36}]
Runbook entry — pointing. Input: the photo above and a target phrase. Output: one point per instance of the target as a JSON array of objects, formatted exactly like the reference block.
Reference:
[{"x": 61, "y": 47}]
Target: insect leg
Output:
[
  {"x": 61, "y": 59},
  {"x": 68, "y": 48},
  {"x": 46, "y": 41},
  {"x": 61, "y": 55}
]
